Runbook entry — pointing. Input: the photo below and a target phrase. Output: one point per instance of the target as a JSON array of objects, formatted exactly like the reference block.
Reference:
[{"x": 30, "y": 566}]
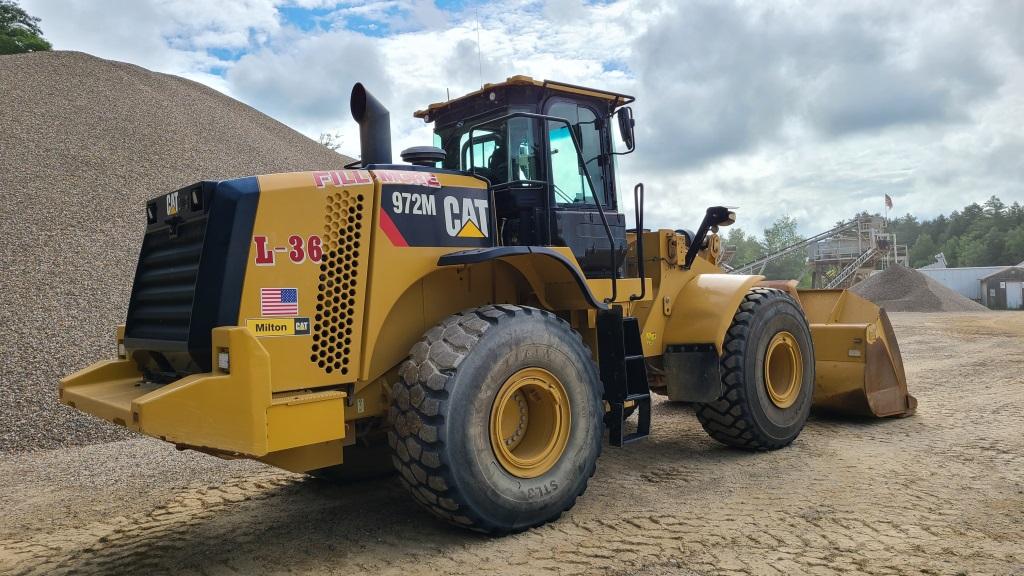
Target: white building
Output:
[{"x": 966, "y": 281}]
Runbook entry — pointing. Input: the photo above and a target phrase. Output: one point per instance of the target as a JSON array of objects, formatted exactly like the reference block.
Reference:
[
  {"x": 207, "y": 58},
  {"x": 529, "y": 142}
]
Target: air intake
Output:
[{"x": 423, "y": 155}]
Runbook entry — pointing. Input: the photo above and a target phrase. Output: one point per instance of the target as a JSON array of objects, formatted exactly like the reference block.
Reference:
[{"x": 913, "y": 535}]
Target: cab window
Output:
[
  {"x": 567, "y": 177},
  {"x": 570, "y": 182},
  {"x": 479, "y": 153},
  {"x": 502, "y": 153}
]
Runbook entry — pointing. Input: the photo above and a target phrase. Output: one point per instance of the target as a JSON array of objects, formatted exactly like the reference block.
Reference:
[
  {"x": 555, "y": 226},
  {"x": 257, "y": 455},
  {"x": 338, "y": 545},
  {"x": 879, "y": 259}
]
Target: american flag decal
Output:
[{"x": 279, "y": 301}]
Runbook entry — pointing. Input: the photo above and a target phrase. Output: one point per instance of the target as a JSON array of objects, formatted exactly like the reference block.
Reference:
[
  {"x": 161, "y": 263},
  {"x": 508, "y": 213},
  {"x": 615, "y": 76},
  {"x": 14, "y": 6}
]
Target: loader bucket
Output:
[{"x": 859, "y": 369}]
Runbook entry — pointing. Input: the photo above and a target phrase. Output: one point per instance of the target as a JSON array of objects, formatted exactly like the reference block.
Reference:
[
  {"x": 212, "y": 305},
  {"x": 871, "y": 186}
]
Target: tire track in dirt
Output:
[{"x": 938, "y": 493}]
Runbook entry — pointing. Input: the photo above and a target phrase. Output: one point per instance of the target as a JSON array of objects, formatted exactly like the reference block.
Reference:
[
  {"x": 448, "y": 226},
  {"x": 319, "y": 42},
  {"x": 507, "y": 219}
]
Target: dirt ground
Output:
[{"x": 941, "y": 492}]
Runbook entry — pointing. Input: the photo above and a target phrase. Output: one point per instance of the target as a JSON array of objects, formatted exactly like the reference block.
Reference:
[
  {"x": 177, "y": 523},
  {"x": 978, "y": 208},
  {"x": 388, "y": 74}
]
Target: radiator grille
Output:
[
  {"x": 334, "y": 329},
  {"x": 164, "y": 290}
]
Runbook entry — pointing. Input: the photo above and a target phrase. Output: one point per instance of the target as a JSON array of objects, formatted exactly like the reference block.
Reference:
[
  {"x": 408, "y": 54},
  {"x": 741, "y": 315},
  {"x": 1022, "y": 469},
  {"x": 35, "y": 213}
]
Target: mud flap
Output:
[{"x": 693, "y": 373}]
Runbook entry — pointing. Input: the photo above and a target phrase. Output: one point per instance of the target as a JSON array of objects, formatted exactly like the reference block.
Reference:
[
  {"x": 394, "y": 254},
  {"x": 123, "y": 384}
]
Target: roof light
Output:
[{"x": 223, "y": 361}]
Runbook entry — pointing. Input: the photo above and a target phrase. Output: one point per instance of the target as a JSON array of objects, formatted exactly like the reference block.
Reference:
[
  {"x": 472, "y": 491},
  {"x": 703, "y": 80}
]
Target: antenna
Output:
[{"x": 479, "y": 58}]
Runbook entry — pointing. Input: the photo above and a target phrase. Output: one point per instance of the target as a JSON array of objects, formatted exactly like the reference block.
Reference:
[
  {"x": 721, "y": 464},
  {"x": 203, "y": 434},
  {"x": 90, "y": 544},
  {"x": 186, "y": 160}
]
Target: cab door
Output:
[{"x": 576, "y": 222}]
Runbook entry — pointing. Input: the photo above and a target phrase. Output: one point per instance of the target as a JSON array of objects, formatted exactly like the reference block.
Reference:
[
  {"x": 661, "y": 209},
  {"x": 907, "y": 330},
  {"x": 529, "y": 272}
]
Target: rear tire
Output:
[
  {"x": 461, "y": 398},
  {"x": 767, "y": 375}
]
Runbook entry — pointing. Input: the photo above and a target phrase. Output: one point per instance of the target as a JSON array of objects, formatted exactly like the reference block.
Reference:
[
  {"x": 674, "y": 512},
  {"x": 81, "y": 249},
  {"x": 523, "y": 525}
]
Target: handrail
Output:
[
  {"x": 852, "y": 267},
  {"x": 638, "y": 207}
]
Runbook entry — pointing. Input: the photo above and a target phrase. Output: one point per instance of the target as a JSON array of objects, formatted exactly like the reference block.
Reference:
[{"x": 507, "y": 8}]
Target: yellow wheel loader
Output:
[{"x": 479, "y": 316}]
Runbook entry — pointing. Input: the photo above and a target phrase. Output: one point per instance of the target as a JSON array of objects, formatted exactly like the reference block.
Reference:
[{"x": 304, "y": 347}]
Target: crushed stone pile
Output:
[
  {"x": 84, "y": 142},
  {"x": 902, "y": 289}
]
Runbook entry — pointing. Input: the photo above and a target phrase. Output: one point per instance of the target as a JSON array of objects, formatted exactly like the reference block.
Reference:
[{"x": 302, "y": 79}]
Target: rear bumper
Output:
[{"x": 229, "y": 413}]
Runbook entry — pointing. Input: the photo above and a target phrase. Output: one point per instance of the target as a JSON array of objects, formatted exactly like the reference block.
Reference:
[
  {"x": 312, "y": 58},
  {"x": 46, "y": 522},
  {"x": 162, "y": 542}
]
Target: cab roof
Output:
[{"x": 614, "y": 98}]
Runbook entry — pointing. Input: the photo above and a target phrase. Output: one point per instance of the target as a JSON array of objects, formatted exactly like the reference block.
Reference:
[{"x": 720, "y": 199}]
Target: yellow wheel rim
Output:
[
  {"x": 783, "y": 370},
  {"x": 530, "y": 422}
]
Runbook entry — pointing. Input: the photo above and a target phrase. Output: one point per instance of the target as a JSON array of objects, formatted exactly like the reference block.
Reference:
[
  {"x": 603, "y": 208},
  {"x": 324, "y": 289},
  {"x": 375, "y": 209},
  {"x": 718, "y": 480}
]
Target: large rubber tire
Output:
[
  {"x": 441, "y": 409},
  {"x": 745, "y": 416}
]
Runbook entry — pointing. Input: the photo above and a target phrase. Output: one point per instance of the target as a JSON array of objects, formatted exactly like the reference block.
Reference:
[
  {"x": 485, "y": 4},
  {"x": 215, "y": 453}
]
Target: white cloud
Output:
[
  {"x": 809, "y": 109},
  {"x": 305, "y": 80}
]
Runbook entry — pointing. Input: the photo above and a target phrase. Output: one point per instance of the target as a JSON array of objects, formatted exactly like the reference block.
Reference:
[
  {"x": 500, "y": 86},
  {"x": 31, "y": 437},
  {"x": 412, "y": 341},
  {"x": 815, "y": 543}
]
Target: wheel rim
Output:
[
  {"x": 530, "y": 422},
  {"x": 783, "y": 370}
]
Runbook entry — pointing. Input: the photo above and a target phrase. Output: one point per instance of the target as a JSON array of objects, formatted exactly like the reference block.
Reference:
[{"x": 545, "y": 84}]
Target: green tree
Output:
[
  {"x": 1015, "y": 214},
  {"x": 747, "y": 247},
  {"x": 923, "y": 251},
  {"x": 972, "y": 251},
  {"x": 907, "y": 229},
  {"x": 780, "y": 234},
  {"x": 994, "y": 207},
  {"x": 19, "y": 32},
  {"x": 1015, "y": 245}
]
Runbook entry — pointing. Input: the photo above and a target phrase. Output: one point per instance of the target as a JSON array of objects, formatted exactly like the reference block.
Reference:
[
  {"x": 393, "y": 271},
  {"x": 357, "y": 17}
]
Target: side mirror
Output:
[{"x": 626, "y": 123}]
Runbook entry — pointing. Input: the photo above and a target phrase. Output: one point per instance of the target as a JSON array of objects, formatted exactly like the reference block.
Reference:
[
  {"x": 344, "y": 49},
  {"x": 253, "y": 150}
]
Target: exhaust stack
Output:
[{"x": 374, "y": 126}]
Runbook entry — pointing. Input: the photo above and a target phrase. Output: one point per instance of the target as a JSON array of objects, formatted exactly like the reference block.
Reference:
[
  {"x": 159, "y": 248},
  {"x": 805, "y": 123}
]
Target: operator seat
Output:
[{"x": 497, "y": 165}]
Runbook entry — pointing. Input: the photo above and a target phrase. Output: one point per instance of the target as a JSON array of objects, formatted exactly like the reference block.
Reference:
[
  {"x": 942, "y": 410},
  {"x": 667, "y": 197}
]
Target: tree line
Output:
[{"x": 988, "y": 234}]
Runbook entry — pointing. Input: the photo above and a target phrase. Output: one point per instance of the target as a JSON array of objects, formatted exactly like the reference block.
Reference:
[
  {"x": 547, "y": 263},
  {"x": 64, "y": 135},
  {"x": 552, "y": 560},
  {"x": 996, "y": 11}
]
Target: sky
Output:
[{"x": 813, "y": 110}]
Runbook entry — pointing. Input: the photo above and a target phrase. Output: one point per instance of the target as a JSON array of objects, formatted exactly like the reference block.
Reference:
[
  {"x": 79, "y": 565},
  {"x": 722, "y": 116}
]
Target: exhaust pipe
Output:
[{"x": 374, "y": 127}]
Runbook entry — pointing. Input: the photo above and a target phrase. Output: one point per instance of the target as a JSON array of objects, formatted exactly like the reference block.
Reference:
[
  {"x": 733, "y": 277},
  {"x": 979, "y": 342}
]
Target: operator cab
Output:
[{"x": 546, "y": 150}]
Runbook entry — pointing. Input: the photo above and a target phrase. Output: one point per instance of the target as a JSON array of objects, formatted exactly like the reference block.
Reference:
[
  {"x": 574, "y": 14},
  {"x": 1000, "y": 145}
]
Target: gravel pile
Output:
[
  {"x": 84, "y": 142},
  {"x": 902, "y": 289}
]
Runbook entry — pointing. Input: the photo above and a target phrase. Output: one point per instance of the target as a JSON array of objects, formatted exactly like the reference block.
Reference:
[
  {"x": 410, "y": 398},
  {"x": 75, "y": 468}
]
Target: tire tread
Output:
[
  {"x": 419, "y": 425},
  {"x": 728, "y": 419}
]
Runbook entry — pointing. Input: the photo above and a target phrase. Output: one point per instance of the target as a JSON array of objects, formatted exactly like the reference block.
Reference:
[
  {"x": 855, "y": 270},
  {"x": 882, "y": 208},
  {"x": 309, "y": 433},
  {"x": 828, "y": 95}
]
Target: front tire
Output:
[
  {"x": 767, "y": 375},
  {"x": 497, "y": 420}
]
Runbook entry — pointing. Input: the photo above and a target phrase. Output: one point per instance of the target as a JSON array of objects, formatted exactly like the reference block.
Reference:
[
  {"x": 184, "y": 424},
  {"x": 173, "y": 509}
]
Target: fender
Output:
[
  {"x": 703, "y": 309},
  {"x": 523, "y": 258}
]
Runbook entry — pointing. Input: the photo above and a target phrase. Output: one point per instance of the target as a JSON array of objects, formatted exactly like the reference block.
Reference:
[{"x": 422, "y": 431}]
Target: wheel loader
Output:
[{"x": 479, "y": 317}]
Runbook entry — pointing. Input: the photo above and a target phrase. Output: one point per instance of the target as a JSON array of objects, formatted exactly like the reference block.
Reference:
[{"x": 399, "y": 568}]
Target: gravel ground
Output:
[
  {"x": 902, "y": 289},
  {"x": 85, "y": 142},
  {"x": 941, "y": 492}
]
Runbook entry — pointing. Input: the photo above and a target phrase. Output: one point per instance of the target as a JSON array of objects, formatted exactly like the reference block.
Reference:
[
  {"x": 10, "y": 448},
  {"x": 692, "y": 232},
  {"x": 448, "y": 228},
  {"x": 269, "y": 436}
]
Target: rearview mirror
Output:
[{"x": 626, "y": 123}]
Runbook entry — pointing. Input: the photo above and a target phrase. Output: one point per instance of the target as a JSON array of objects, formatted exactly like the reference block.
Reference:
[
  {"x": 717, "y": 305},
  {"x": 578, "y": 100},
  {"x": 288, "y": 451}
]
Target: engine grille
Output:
[
  {"x": 190, "y": 273},
  {"x": 165, "y": 283},
  {"x": 339, "y": 289}
]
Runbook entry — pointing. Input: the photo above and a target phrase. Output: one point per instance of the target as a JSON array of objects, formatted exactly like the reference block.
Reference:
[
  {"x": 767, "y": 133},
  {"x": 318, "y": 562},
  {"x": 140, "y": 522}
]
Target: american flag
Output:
[{"x": 279, "y": 301}]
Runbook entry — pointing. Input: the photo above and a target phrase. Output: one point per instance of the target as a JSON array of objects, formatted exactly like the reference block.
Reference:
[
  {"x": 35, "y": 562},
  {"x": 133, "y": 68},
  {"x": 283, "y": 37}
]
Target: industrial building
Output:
[
  {"x": 1002, "y": 290},
  {"x": 998, "y": 287},
  {"x": 966, "y": 280}
]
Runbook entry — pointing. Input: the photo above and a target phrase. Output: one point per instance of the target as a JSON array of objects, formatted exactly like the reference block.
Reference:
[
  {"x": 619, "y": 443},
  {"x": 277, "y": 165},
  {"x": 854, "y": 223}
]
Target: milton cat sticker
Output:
[{"x": 428, "y": 216}]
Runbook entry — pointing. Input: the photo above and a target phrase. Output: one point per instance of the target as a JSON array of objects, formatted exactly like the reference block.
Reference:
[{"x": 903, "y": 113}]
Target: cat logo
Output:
[
  {"x": 468, "y": 220},
  {"x": 172, "y": 203}
]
